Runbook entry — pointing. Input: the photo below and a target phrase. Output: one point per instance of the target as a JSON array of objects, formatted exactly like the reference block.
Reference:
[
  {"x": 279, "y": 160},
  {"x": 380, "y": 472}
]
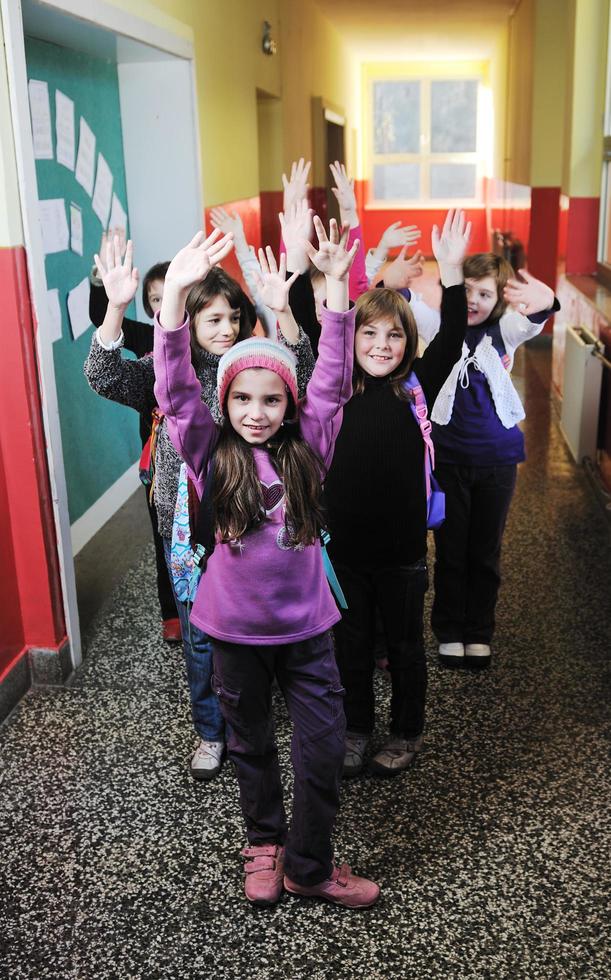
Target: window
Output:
[
  {"x": 604, "y": 227},
  {"x": 425, "y": 140}
]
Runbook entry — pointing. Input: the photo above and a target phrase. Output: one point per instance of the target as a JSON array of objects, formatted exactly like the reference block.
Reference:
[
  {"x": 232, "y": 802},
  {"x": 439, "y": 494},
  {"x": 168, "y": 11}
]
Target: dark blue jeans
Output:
[
  {"x": 205, "y": 708},
  {"x": 309, "y": 680}
]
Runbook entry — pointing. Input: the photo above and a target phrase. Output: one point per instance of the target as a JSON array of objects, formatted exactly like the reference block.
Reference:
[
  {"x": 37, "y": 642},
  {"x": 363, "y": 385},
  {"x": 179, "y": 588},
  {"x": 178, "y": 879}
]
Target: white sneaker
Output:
[
  {"x": 477, "y": 654},
  {"x": 207, "y": 760},
  {"x": 356, "y": 746},
  {"x": 452, "y": 654}
]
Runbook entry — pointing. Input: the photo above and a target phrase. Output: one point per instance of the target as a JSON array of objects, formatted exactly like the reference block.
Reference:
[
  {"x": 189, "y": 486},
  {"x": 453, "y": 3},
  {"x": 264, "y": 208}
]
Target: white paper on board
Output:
[
  {"x": 118, "y": 217},
  {"x": 64, "y": 129},
  {"x": 40, "y": 113},
  {"x": 76, "y": 229},
  {"x": 102, "y": 191},
  {"x": 55, "y": 315},
  {"x": 86, "y": 157},
  {"x": 78, "y": 308},
  {"x": 53, "y": 225}
]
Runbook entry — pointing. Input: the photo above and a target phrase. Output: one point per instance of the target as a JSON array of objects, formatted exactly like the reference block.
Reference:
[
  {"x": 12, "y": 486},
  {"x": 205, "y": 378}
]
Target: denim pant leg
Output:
[
  {"x": 309, "y": 678},
  {"x": 242, "y": 680},
  {"x": 205, "y": 708}
]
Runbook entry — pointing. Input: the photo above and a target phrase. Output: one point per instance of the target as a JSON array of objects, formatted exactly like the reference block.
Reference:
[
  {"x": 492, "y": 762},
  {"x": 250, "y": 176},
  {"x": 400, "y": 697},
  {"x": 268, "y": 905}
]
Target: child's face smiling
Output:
[
  {"x": 217, "y": 326},
  {"x": 482, "y": 297},
  {"x": 379, "y": 347},
  {"x": 256, "y": 404}
]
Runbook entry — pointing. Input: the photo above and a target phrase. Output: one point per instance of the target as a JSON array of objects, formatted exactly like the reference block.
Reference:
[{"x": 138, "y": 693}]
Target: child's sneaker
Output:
[
  {"x": 342, "y": 888},
  {"x": 452, "y": 654},
  {"x": 207, "y": 760},
  {"x": 477, "y": 654},
  {"x": 264, "y": 873},
  {"x": 355, "y": 748},
  {"x": 396, "y": 756}
]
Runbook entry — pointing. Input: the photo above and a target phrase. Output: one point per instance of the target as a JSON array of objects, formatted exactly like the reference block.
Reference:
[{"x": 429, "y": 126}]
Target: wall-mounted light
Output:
[{"x": 268, "y": 44}]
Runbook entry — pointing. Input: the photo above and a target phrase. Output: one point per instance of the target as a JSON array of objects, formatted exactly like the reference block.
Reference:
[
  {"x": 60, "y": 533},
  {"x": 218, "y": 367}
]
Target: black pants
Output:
[
  {"x": 398, "y": 593},
  {"x": 164, "y": 587},
  {"x": 468, "y": 550}
]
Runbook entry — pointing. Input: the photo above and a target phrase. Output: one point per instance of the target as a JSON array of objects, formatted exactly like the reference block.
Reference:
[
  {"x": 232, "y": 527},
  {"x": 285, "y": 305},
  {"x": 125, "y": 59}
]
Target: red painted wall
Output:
[
  {"x": 582, "y": 236},
  {"x": 28, "y": 518}
]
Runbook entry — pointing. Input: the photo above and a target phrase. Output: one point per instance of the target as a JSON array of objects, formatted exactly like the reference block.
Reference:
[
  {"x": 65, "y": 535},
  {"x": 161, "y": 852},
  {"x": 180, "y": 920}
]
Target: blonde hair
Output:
[{"x": 387, "y": 304}]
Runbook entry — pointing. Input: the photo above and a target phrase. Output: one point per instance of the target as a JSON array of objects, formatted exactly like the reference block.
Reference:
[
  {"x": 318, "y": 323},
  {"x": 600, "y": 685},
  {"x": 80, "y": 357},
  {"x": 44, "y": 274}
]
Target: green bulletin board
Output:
[{"x": 100, "y": 439}]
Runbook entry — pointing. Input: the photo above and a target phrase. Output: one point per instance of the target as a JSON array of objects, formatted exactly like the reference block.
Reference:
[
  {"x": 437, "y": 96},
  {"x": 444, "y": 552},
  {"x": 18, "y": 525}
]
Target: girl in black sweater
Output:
[{"x": 376, "y": 502}]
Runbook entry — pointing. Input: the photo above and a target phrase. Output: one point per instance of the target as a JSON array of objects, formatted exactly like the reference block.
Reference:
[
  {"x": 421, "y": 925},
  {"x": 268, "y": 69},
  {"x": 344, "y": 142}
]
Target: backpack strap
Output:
[
  {"x": 203, "y": 528},
  {"x": 420, "y": 412}
]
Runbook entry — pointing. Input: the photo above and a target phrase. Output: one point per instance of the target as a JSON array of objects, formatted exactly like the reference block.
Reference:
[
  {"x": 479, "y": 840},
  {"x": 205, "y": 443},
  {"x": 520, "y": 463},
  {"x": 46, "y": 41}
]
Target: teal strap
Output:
[
  {"x": 332, "y": 578},
  {"x": 199, "y": 555}
]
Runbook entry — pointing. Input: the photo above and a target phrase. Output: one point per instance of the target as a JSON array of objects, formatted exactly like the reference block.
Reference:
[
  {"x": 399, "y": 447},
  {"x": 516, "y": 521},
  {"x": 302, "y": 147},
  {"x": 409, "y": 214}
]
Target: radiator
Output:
[{"x": 581, "y": 393}]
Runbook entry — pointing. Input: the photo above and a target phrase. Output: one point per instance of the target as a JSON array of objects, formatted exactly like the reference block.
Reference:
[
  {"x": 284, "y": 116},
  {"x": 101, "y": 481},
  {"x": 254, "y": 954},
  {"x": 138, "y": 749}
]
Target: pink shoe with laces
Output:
[
  {"x": 342, "y": 888},
  {"x": 264, "y": 873}
]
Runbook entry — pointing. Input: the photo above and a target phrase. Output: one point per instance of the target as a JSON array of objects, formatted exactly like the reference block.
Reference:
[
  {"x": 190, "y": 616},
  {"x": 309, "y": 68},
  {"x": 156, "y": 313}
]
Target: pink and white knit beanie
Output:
[{"x": 256, "y": 352}]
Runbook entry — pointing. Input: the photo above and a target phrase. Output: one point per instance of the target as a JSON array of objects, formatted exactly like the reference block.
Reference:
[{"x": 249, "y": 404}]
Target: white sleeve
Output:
[
  {"x": 517, "y": 328},
  {"x": 428, "y": 320},
  {"x": 373, "y": 264},
  {"x": 249, "y": 264}
]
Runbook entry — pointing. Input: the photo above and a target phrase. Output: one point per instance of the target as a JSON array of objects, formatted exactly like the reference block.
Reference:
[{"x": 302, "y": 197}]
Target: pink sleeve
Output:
[{"x": 358, "y": 276}]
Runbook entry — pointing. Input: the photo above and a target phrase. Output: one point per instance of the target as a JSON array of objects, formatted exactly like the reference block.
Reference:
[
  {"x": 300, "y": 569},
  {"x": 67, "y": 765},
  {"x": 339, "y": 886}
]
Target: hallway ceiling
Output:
[{"x": 396, "y": 29}]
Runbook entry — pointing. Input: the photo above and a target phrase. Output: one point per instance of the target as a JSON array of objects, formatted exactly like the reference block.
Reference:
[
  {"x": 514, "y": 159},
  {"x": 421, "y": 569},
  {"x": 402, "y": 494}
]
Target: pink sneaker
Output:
[
  {"x": 342, "y": 887},
  {"x": 264, "y": 874}
]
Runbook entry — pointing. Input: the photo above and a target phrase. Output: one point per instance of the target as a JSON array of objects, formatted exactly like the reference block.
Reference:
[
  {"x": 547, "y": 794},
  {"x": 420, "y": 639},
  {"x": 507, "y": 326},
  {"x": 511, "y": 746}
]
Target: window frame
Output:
[
  {"x": 604, "y": 215},
  {"x": 426, "y": 156}
]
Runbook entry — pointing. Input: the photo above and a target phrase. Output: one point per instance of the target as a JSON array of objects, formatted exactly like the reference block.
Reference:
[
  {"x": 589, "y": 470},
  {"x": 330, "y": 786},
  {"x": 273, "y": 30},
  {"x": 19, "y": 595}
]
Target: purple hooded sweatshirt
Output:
[{"x": 259, "y": 590}]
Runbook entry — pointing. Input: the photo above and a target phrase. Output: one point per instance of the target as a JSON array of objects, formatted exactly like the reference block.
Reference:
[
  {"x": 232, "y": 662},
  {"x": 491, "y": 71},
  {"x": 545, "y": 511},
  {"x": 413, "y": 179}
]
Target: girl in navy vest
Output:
[
  {"x": 376, "y": 500},
  {"x": 478, "y": 446}
]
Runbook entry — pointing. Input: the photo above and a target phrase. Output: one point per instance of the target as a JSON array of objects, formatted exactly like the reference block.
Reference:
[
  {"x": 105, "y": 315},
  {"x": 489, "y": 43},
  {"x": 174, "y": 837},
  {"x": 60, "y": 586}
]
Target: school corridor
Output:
[
  {"x": 492, "y": 852},
  {"x": 145, "y": 117}
]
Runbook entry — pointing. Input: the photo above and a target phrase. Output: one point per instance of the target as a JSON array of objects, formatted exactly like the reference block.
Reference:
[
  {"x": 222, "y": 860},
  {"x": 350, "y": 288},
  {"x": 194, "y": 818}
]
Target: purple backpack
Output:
[{"x": 435, "y": 497}]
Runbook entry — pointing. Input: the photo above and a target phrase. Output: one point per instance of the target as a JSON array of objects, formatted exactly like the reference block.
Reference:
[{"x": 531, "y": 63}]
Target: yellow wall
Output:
[
  {"x": 589, "y": 20},
  {"x": 519, "y": 94},
  {"x": 549, "y": 93}
]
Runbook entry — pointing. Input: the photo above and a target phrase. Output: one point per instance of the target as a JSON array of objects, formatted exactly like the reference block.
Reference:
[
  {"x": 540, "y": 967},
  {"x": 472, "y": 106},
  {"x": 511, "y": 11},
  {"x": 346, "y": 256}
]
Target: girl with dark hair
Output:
[
  {"x": 263, "y": 597},
  {"x": 220, "y": 314},
  {"x": 375, "y": 493}
]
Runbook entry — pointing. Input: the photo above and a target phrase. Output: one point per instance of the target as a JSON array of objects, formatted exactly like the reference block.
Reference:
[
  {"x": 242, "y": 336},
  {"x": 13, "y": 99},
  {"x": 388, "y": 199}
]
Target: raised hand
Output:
[
  {"x": 331, "y": 257},
  {"x": 296, "y": 185},
  {"x": 272, "y": 284},
  {"x": 450, "y": 247},
  {"x": 195, "y": 260},
  {"x": 343, "y": 190},
  {"x": 296, "y": 224},
  {"x": 530, "y": 296},
  {"x": 119, "y": 277},
  {"x": 399, "y": 273},
  {"x": 395, "y": 236},
  {"x": 229, "y": 224}
]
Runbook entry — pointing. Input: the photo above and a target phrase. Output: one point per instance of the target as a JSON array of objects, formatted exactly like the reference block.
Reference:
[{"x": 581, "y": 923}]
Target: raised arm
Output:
[
  {"x": 533, "y": 303},
  {"x": 178, "y": 391},
  {"x": 395, "y": 236},
  {"x": 331, "y": 383},
  {"x": 346, "y": 198}
]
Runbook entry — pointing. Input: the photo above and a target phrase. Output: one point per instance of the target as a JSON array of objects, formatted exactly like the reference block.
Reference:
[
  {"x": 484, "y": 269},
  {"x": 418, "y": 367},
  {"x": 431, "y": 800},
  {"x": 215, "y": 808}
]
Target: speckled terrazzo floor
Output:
[{"x": 493, "y": 853}]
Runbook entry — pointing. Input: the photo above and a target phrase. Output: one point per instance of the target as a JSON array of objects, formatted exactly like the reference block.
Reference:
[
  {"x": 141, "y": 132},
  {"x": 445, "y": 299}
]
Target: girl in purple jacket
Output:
[{"x": 266, "y": 603}]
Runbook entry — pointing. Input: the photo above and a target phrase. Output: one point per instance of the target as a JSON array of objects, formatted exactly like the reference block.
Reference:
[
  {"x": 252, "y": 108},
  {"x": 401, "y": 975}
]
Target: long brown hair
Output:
[
  {"x": 485, "y": 264},
  {"x": 387, "y": 304},
  {"x": 218, "y": 283},
  {"x": 238, "y": 499}
]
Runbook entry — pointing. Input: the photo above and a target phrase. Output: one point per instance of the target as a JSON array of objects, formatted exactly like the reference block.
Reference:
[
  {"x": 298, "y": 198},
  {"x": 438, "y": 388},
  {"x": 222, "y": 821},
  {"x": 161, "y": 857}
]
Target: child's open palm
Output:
[
  {"x": 530, "y": 296},
  {"x": 272, "y": 284},
  {"x": 119, "y": 277},
  {"x": 344, "y": 187},
  {"x": 194, "y": 261},
  {"x": 396, "y": 236},
  {"x": 296, "y": 184},
  {"x": 450, "y": 247},
  {"x": 399, "y": 273},
  {"x": 229, "y": 224},
  {"x": 296, "y": 224},
  {"x": 331, "y": 257}
]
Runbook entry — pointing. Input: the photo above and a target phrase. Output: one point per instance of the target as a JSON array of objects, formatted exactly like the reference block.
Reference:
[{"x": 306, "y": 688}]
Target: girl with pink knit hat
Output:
[{"x": 266, "y": 602}]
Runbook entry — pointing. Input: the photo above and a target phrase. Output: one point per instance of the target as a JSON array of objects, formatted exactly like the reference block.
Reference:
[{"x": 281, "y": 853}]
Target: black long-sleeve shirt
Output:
[{"x": 375, "y": 490}]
